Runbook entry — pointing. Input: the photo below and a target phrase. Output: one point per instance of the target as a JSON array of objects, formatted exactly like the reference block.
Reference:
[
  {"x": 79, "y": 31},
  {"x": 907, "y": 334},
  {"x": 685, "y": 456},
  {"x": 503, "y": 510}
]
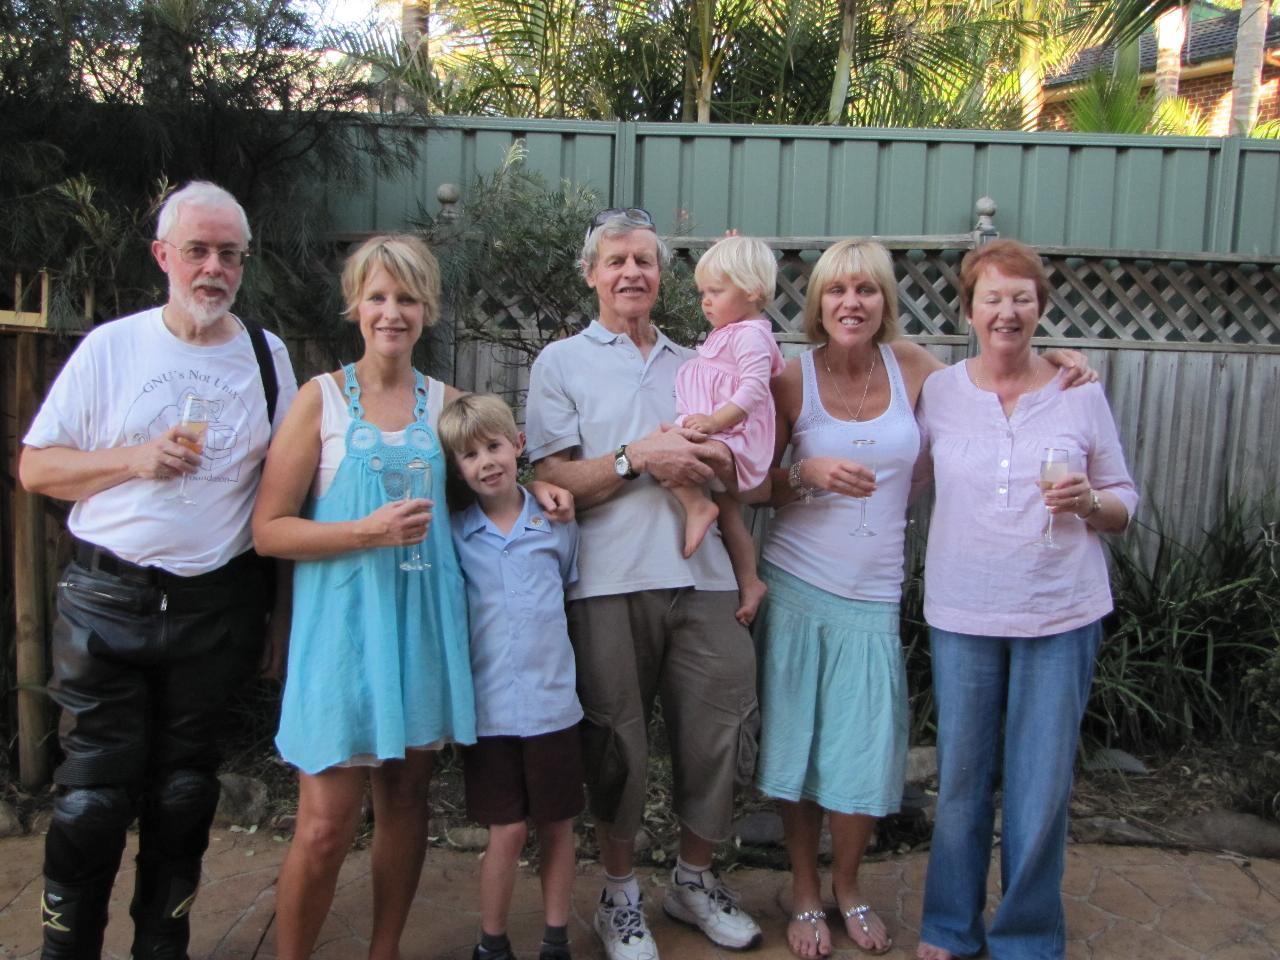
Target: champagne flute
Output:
[
  {"x": 862, "y": 450},
  {"x": 418, "y": 476},
  {"x": 395, "y": 484},
  {"x": 195, "y": 420},
  {"x": 1053, "y": 469}
]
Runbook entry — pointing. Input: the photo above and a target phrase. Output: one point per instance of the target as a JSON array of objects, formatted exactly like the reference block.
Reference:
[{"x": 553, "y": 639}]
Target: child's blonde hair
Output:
[
  {"x": 746, "y": 262},
  {"x": 472, "y": 417},
  {"x": 409, "y": 261}
]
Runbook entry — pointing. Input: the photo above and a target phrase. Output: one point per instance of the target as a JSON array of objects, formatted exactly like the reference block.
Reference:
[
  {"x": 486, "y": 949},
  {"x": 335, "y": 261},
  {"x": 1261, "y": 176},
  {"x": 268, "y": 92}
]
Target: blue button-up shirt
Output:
[{"x": 521, "y": 659}]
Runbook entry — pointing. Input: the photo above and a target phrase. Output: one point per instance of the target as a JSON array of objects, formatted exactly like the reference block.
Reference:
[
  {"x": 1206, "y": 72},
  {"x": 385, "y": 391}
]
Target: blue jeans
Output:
[{"x": 1040, "y": 685}]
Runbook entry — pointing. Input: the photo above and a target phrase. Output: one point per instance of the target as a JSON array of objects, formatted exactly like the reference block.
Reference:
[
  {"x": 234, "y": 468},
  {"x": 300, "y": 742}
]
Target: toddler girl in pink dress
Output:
[{"x": 724, "y": 392}]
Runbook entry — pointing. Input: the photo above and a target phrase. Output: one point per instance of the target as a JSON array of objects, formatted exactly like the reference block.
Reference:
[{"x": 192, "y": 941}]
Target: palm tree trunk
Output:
[
  {"x": 706, "y": 16},
  {"x": 415, "y": 21},
  {"x": 165, "y": 50},
  {"x": 704, "y": 94},
  {"x": 414, "y": 16},
  {"x": 1246, "y": 80},
  {"x": 1171, "y": 33},
  {"x": 1030, "y": 71},
  {"x": 689, "y": 102},
  {"x": 844, "y": 61}
]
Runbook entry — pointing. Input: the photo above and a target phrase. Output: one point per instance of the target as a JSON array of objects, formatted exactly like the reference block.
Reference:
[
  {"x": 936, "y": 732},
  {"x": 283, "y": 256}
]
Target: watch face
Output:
[{"x": 621, "y": 465}]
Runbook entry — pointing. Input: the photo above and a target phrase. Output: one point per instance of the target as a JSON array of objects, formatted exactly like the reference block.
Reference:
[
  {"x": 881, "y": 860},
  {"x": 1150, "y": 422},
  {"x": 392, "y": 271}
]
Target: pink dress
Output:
[{"x": 734, "y": 365}]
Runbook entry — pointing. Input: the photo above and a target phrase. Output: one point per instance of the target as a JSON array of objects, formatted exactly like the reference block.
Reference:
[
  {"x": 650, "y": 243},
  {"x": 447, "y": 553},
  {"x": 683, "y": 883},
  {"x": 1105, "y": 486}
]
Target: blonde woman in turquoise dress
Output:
[{"x": 378, "y": 669}]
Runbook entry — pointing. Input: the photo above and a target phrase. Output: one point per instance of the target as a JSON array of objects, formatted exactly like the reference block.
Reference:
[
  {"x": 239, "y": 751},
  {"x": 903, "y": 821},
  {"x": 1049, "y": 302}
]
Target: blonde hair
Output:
[
  {"x": 852, "y": 258},
  {"x": 472, "y": 417},
  {"x": 410, "y": 263},
  {"x": 746, "y": 262}
]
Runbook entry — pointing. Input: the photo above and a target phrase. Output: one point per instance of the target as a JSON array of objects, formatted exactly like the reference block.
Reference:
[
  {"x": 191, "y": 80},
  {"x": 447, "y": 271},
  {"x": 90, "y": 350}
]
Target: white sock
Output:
[
  {"x": 688, "y": 873},
  {"x": 622, "y": 890}
]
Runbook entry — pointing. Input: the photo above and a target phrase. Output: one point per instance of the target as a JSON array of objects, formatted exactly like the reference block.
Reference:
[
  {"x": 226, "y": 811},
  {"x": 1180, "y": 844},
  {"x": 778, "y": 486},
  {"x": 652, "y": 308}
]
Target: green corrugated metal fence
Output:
[{"x": 1188, "y": 194}]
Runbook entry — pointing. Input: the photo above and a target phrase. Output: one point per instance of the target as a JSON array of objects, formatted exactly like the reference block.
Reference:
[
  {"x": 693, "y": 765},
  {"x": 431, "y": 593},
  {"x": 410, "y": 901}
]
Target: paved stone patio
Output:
[{"x": 1123, "y": 903}]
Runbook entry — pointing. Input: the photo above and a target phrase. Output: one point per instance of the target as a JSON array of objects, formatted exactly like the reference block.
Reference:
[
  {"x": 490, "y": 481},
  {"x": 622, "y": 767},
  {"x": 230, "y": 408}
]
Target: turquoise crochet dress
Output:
[{"x": 378, "y": 656}]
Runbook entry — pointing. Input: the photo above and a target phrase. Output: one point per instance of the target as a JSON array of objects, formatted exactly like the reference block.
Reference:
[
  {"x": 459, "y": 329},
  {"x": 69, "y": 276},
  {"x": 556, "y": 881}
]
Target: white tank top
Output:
[{"x": 812, "y": 540}]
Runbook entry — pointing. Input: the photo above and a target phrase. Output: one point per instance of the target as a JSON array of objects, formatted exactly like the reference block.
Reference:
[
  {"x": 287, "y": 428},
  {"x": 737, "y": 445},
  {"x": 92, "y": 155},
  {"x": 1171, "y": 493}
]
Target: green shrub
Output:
[
  {"x": 914, "y": 632},
  {"x": 1188, "y": 627},
  {"x": 106, "y": 104},
  {"x": 1262, "y": 684},
  {"x": 514, "y": 252}
]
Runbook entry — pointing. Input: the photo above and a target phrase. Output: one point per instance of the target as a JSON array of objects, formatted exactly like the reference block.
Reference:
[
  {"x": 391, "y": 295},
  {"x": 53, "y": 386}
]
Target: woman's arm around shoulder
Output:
[{"x": 916, "y": 364}]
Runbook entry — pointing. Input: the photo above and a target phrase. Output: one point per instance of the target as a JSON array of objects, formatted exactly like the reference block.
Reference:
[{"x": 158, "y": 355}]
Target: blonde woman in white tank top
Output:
[{"x": 832, "y": 682}]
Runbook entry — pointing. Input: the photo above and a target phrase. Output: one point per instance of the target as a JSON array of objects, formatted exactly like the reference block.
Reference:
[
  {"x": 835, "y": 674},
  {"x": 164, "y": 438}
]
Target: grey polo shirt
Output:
[{"x": 595, "y": 391}]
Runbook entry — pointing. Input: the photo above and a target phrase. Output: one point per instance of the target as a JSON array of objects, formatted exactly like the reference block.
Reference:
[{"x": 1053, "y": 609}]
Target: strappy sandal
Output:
[
  {"x": 859, "y": 912},
  {"x": 812, "y": 917}
]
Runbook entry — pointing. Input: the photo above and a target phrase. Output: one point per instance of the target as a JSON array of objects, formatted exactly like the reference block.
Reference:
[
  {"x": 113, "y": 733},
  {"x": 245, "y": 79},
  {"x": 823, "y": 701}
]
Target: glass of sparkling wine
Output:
[
  {"x": 862, "y": 451},
  {"x": 195, "y": 420},
  {"x": 1053, "y": 469},
  {"x": 418, "y": 477}
]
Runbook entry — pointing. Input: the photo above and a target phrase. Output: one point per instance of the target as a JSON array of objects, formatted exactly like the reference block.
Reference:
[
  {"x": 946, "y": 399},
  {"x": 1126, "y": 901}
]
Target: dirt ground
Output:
[{"x": 1178, "y": 785}]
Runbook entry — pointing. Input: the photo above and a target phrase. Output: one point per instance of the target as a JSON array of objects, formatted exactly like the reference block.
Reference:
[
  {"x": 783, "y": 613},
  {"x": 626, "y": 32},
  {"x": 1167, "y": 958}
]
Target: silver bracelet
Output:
[
  {"x": 798, "y": 486},
  {"x": 1095, "y": 504}
]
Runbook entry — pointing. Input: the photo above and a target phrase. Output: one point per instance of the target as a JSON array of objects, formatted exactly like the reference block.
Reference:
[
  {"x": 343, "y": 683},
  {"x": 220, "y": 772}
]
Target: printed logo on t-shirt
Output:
[{"x": 159, "y": 406}]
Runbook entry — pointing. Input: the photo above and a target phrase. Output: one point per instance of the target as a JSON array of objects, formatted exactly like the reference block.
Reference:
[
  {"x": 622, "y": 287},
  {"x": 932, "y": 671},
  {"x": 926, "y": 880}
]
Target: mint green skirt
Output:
[{"x": 833, "y": 698}]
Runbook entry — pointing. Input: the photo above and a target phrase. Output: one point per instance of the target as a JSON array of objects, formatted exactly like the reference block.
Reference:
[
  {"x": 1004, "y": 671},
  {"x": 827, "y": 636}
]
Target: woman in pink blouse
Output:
[{"x": 1015, "y": 623}]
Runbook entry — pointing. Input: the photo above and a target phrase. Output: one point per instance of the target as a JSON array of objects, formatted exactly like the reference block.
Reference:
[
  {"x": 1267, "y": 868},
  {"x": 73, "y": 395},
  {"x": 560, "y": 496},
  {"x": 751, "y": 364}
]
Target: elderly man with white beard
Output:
[{"x": 161, "y": 611}]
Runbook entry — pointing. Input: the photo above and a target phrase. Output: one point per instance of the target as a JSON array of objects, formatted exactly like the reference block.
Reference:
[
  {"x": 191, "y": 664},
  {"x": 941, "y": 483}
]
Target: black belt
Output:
[{"x": 100, "y": 559}]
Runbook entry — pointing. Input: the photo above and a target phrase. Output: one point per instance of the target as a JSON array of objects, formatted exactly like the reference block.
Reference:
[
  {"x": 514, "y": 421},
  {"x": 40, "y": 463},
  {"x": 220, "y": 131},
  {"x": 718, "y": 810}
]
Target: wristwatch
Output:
[{"x": 622, "y": 464}]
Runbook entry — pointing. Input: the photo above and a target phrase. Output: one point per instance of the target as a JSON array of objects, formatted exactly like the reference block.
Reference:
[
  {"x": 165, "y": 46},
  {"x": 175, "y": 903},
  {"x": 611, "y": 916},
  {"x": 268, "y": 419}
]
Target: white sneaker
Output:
[
  {"x": 623, "y": 931},
  {"x": 714, "y": 910}
]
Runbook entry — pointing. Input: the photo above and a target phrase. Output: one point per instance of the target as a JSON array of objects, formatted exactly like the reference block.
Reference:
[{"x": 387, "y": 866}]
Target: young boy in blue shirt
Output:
[{"x": 526, "y": 763}]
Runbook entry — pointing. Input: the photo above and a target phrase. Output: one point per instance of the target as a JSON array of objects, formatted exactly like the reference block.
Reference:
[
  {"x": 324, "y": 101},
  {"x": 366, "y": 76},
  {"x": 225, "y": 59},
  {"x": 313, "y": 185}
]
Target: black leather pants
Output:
[{"x": 144, "y": 662}]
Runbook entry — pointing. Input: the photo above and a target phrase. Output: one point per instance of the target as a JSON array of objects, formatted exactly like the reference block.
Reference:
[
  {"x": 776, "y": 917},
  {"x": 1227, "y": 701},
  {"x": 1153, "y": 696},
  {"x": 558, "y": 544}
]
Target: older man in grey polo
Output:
[{"x": 645, "y": 621}]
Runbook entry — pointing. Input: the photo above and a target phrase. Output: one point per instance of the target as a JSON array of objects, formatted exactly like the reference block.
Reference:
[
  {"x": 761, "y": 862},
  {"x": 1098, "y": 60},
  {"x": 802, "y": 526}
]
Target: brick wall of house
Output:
[
  {"x": 1211, "y": 95},
  {"x": 1054, "y": 116}
]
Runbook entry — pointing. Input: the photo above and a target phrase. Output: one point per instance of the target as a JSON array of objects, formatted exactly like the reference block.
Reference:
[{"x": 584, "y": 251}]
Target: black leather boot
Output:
[
  {"x": 162, "y": 900},
  {"x": 73, "y": 919}
]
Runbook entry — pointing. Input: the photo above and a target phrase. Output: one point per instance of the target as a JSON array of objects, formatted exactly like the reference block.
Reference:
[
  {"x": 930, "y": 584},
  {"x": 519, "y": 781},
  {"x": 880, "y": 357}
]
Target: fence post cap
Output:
[
  {"x": 448, "y": 194},
  {"x": 985, "y": 208}
]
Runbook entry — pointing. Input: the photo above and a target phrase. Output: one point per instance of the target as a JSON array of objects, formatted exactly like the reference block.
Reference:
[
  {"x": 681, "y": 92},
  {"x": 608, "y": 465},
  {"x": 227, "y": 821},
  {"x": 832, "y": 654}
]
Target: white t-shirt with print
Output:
[{"x": 124, "y": 385}]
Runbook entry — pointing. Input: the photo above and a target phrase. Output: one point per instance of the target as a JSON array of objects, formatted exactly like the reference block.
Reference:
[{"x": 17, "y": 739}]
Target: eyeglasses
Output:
[
  {"x": 197, "y": 253},
  {"x": 639, "y": 214}
]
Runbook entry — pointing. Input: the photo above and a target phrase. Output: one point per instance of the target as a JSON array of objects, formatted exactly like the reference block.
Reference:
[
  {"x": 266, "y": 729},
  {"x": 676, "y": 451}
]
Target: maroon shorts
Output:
[{"x": 511, "y": 779}]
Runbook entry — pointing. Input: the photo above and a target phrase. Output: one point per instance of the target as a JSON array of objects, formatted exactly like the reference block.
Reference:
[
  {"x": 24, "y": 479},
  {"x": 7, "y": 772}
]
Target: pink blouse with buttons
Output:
[{"x": 985, "y": 574}]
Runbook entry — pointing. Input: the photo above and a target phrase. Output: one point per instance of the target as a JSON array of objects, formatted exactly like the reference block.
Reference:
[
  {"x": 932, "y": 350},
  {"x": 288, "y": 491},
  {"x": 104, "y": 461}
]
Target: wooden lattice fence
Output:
[
  {"x": 1216, "y": 302},
  {"x": 1096, "y": 297}
]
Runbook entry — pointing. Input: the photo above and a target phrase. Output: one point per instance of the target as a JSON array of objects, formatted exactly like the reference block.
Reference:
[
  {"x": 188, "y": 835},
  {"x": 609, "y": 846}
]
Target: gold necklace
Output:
[{"x": 866, "y": 387}]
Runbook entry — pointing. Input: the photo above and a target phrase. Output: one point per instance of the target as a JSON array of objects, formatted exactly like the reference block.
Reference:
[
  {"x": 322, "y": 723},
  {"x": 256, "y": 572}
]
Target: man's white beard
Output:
[{"x": 204, "y": 313}]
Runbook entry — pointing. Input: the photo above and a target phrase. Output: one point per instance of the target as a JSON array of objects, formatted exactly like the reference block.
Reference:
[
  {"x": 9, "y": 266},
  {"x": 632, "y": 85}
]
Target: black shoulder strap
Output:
[{"x": 266, "y": 367}]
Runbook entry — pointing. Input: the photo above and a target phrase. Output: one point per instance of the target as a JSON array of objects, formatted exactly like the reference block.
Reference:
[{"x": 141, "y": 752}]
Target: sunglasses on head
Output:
[{"x": 639, "y": 214}]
